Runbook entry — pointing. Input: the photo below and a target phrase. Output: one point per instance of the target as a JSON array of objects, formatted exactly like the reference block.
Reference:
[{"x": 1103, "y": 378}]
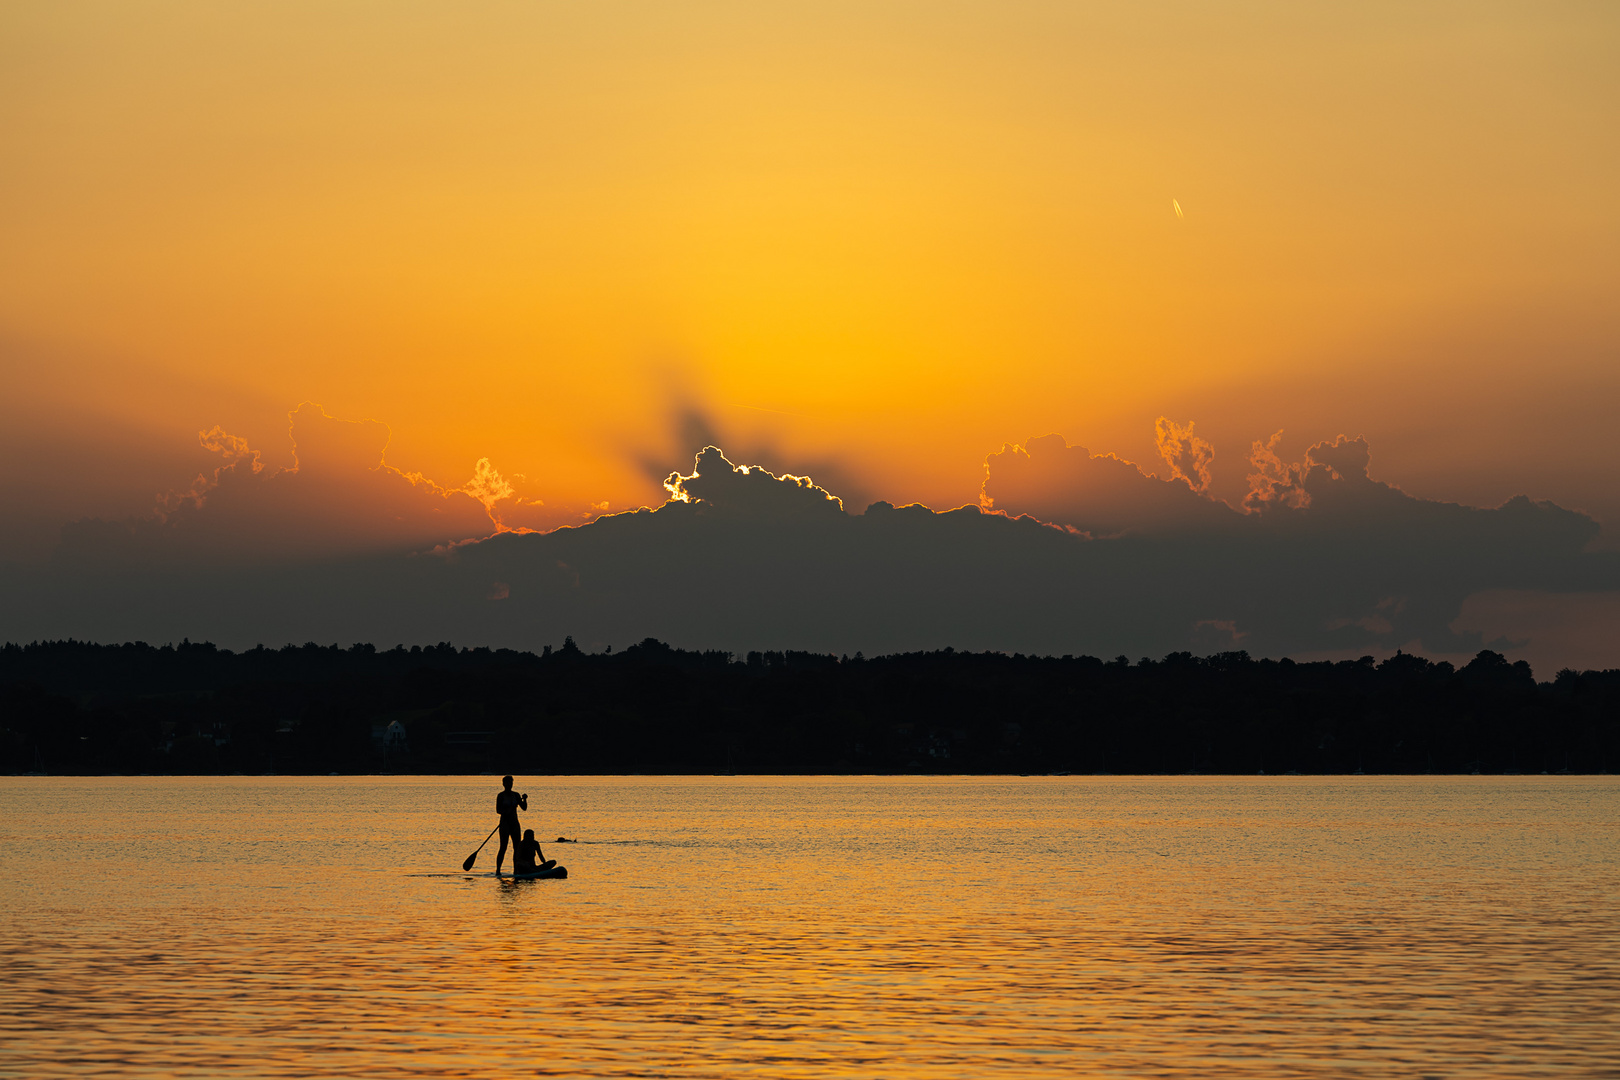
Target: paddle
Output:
[{"x": 473, "y": 857}]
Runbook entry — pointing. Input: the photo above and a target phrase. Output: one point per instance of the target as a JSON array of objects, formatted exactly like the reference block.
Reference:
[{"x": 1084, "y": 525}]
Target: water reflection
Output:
[{"x": 803, "y": 927}]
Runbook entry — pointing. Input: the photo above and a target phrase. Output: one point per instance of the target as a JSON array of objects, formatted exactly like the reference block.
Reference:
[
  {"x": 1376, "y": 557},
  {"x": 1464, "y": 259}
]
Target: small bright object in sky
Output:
[{"x": 1177, "y": 205}]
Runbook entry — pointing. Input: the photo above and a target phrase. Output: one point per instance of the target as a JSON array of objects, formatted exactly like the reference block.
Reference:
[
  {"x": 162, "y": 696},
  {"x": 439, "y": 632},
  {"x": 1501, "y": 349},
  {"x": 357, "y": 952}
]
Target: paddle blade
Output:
[{"x": 470, "y": 860}]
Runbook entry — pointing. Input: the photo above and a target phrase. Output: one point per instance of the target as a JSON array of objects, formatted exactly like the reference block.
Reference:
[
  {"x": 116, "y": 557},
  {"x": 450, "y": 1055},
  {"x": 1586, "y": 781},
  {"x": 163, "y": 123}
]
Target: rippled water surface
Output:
[{"x": 796, "y": 927}]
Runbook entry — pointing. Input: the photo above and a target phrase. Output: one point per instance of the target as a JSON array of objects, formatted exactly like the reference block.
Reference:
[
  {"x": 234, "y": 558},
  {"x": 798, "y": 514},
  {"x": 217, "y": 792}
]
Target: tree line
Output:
[{"x": 76, "y": 707}]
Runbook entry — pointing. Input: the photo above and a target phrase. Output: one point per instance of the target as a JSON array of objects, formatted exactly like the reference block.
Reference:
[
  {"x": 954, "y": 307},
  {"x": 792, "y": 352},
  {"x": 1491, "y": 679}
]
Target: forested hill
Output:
[{"x": 74, "y": 707}]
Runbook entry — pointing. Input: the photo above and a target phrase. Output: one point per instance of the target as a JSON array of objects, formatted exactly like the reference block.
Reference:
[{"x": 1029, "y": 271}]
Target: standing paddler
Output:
[{"x": 507, "y": 804}]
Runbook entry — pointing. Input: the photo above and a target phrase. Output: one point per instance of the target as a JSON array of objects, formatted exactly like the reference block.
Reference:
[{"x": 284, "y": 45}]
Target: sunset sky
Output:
[{"x": 870, "y": 242}]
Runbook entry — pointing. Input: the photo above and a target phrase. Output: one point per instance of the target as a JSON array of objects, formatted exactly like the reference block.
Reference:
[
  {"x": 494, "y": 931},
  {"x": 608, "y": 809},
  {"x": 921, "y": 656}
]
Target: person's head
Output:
[
  {"x": 506, "y": 782},
  {"x": 528, "y": 834}
]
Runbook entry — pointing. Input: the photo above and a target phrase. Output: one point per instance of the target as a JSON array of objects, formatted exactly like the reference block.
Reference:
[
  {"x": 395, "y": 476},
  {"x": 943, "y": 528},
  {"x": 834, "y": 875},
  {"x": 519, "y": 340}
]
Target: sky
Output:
[{"x": 876, "y": 244}]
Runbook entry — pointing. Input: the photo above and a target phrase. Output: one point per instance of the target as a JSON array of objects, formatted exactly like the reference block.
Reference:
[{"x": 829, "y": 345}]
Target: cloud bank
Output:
[
  {"x": 1067, "y": 552},
  {"x": 1101, "y": 495},
  {"x": 339, "y": 498}
]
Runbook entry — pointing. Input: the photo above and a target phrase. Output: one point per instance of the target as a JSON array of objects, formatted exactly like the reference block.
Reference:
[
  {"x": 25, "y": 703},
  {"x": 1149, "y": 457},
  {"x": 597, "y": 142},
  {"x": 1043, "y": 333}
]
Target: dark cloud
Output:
[
  {"x": 59, "y": 465},
  {"x": 1345, "y": 458},
  {"x": 1325, "y": 557},
  {"x": 339, "y": 497},
  {"x": 1082, "y": 554},
  {"x": 692, "y": 426},
  {"x": 1097, "y": 494},
  {"x": 718, "y": 485},
  {"x": 1277, "y": 484}
]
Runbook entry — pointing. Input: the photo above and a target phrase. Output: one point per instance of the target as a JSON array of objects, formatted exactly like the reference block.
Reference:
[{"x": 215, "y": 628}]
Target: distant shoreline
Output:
[{"x": 75, "y": 708}]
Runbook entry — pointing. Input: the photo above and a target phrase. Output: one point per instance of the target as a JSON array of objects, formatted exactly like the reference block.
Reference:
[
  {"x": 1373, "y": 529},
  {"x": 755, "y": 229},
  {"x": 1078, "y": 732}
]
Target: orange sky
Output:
[{"x": 887, "y": 235}]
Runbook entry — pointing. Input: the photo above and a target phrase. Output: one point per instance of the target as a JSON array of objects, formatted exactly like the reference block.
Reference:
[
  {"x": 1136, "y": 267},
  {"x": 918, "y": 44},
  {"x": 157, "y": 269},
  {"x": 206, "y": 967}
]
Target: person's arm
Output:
[{"x": 523, "y": 800}]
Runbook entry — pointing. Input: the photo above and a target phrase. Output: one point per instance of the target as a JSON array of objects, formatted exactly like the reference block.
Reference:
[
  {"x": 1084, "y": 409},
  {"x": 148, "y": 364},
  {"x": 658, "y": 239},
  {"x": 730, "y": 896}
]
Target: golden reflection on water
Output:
[{"x": 798, "y": 927}]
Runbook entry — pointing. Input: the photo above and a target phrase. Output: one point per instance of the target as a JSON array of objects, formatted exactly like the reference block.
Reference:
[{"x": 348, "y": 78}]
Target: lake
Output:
[{"x": 813, "y": 927}]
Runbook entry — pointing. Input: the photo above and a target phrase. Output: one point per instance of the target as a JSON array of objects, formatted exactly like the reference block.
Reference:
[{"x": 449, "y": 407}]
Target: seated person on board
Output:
[{"x": 525, "y": 854}]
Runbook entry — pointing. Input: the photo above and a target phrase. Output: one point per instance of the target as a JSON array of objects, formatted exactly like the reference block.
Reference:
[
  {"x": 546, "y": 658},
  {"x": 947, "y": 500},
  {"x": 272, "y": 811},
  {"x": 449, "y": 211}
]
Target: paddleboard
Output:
[{"x": 554, "y": 872}]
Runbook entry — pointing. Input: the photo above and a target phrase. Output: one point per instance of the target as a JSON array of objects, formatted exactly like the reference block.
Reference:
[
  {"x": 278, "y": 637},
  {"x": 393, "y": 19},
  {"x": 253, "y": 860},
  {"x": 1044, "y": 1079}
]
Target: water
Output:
[{"x": 794, "y": 927}]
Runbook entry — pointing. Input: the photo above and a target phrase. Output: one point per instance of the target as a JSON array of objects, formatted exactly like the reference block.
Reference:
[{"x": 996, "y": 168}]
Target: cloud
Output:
[
  {"x": 513, "y": 512},
  {"x": 1277, "y": 484},
  {"x": 1097, "y": 494},
  {"x": 488, "y": 486},
  {"x": 339, "y": 497},
  {"x": 216, "y": 440},
  {"x": 1551, "y": 630},
  {"x": 1081, "y": 554},
  {"x": 326, "y": 446},
  {"x": 1274, "y": 482},
  {"x": 1327, "y": 556},
  {"x": 692, "y": 426},
  {"x": 748, "y": 490},
  {"x": 1345, "y": 458},
  {"x": 1187, "y": 455}
]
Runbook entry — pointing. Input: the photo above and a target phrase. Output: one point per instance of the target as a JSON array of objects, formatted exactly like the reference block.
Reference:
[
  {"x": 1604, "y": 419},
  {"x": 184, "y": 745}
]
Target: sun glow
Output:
[{"x": 542, "y": 235}]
